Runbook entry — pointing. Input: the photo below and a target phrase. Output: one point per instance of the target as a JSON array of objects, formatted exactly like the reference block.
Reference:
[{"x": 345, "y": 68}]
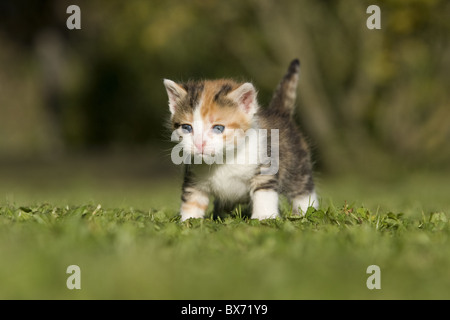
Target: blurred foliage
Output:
[{"x": 366, "y": 97}]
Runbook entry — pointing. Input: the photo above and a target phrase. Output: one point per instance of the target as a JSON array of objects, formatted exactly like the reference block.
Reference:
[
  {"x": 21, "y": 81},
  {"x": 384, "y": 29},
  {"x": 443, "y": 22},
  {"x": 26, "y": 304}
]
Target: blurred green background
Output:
[{"x": 368, "y": 99}]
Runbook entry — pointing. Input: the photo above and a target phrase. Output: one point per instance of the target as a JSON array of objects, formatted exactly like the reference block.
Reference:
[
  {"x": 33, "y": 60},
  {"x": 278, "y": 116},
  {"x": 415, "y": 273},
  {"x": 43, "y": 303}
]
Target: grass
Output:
[
  {"x": 131, "y": 247},
  {"x": 151, "y": 255}
]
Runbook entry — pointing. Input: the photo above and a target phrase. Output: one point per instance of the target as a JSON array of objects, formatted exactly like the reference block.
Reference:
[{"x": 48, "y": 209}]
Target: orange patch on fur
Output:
[
  {"x": 210, "y": 90},
  {"x": 228, "y": 115},
  {"x": 185, "y": 118},
  {"x": 193, "y": 204}
]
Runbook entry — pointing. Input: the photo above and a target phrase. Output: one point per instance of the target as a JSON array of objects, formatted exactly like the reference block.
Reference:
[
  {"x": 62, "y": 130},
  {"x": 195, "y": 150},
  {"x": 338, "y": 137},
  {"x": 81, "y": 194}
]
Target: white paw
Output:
[
  {"x": 301, "y": 204},
  {"x": 189, "y": 210},
  {"x": 195, "y": 207},
  {"x": 264, "y": 215},
  {"x": 265, "y": 205},
  {"x": 188, "y": 215}
]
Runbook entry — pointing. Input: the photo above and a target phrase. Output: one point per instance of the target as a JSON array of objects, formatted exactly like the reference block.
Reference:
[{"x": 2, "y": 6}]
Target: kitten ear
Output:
[
  {"x": 175, "y": 93},
  {"x": 245, "y": 96}
]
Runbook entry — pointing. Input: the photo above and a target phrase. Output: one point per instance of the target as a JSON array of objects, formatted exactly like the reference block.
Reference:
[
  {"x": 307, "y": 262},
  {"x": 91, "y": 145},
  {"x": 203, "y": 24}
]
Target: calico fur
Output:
[{"x": 202, "y": 105}]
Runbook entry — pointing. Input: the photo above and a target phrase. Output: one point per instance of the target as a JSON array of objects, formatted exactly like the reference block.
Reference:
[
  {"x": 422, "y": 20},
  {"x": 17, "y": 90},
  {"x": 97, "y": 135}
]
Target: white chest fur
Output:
[{"x": 228, "y": 182}]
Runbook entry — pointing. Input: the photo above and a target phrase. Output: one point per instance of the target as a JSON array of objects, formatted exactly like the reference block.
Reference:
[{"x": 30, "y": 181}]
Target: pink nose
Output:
[{"x": 200, "y": 145}]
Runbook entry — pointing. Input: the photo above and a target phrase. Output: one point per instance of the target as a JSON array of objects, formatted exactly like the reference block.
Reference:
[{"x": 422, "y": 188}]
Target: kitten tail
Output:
[{"x": 283, "y": 100}]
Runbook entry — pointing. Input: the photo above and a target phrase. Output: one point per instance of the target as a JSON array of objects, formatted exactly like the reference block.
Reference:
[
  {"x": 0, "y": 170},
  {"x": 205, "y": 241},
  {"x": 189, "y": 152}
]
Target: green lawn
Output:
[{"x": 124, "y": 235}]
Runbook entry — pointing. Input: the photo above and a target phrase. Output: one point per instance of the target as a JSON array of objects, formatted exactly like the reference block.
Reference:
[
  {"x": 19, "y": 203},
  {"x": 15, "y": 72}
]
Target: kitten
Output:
[{"x": 210, "y": 119}]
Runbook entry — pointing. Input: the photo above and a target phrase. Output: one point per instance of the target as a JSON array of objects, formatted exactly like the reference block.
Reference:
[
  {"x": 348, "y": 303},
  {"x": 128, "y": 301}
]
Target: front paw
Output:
[
  {"x": 192, "y": 210},
  {"x": 265, "y": 205},
  {"x": 262, "y": 215},
  {"x": 302, "y": 203}
]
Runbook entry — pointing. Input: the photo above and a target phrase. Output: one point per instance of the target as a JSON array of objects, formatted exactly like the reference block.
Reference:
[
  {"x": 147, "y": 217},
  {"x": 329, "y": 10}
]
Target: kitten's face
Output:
[{"x": 208, "y": 115}]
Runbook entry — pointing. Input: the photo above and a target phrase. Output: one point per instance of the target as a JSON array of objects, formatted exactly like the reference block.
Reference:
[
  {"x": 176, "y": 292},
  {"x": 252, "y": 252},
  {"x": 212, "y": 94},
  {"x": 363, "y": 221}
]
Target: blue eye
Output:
[
  {"x": 187, "y": 128},
  {"x": 218, "y": 128}
]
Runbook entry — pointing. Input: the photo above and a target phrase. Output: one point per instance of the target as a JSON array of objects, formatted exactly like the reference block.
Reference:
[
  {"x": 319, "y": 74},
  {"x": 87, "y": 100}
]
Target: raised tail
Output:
[{"x": 283, "y": 99}]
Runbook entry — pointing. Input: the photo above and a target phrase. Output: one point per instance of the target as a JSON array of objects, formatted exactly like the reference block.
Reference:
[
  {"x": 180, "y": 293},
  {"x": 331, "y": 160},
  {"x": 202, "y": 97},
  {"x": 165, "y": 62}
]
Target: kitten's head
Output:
[{"x": 207, "y": 115}]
